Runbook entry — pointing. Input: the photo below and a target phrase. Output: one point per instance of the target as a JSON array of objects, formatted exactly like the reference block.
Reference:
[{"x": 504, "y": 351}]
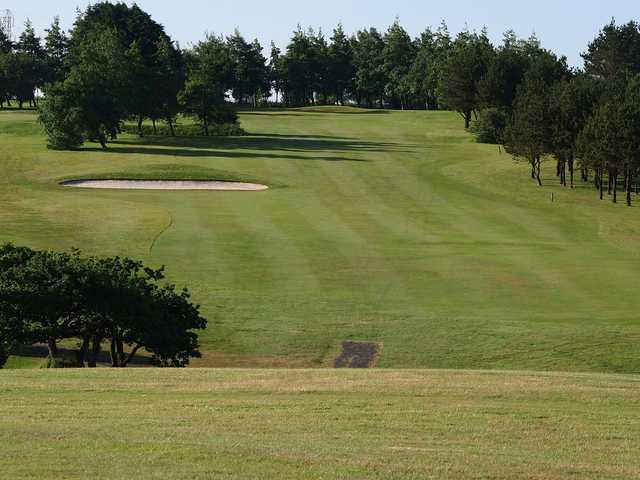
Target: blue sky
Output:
[{"x": 565, "y": 26}]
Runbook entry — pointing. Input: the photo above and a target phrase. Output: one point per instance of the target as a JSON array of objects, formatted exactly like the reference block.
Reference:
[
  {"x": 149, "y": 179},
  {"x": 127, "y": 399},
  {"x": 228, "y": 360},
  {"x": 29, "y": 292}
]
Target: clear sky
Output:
[{"x": 564, "y": 26}]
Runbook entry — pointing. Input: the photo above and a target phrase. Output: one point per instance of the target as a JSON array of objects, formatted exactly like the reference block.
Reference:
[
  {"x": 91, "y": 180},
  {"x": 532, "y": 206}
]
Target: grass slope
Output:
[
  {"x": 320, "y": 424},
  {"x": 389, "y": 227}
]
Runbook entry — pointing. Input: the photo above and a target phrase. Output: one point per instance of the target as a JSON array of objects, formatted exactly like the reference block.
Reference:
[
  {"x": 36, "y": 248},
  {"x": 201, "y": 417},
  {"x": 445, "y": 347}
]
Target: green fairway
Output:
[
  {"x": 389, "y": 227},
  {"x": 232, "y": 424}
]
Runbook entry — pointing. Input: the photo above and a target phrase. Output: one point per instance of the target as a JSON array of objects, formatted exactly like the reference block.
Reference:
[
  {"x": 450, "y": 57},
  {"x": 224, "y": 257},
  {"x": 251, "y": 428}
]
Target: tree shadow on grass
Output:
[
  {"x": 311, "y": 111},
  {"x": 287, "y": 147},
  {"x": 41, "y": 351},
  {"x": 185, "y": 152}
]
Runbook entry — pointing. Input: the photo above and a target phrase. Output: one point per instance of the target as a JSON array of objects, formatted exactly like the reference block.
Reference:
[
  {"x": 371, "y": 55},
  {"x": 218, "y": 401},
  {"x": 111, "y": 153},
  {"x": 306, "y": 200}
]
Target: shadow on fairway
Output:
[
  {"x": 263, "y": 146},
  {"x": 311, "y": 112},
  {"x": 41, "y": 351},
  {"x": 184, "y": 152}
]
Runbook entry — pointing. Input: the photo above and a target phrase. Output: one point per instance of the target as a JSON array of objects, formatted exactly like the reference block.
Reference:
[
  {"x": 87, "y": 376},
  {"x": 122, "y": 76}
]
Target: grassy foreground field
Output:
[
  {"x": 394, "y": 228},
  {"x": 319, "y": 424}
]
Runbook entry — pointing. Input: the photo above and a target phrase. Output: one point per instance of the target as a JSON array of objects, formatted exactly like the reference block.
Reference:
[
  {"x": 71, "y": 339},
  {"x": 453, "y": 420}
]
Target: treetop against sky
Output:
[{"x": 564, "y": 27}]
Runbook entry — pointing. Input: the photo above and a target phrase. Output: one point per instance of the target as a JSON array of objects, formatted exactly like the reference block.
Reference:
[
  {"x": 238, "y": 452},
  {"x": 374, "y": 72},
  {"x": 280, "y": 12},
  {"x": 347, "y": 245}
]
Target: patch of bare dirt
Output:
[{"x": 358, "y": 355}]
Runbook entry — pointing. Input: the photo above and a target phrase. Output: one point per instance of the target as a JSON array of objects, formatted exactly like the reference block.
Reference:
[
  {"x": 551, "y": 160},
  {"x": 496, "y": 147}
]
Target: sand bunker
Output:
[{"x": 166, "y": 185}]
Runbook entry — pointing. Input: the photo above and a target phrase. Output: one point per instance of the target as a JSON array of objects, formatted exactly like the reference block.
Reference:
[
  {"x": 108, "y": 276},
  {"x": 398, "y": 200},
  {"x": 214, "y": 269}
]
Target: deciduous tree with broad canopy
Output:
[{"x": 46, "y": 297}]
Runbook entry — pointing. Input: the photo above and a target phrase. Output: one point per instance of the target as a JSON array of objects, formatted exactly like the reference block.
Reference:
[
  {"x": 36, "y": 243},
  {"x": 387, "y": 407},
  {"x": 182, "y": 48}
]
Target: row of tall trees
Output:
[
  {"x": 30, "y": 63},
  {"x": 118, "y": 64},
  {"x": 368, "y": 68},
  {"x": 122, "y": 65},
  {"x": 589, "y": 119},
  {"x": 46, "y": 297}
]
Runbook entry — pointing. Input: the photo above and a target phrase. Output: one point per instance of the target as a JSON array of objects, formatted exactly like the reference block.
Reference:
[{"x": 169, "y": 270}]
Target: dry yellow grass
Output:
[{"x": 317, "y": 424}]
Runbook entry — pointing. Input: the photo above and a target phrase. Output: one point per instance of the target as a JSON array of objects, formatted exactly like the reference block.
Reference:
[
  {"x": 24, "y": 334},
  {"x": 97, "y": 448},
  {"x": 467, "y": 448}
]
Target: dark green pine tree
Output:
[
  {"x": 527, "y": 136},
  {"x": 468, "y": 63},
  {"x": 56, "y": 51},
  {"x": 398, "y": 55},
  {"x": 341, "y": 69},
  {"x": 370, "y": 75}
]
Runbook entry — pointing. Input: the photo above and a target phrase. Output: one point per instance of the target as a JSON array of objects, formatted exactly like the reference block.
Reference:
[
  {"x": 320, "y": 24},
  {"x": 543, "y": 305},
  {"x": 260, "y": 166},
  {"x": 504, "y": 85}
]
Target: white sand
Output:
[{"x": 165, "y": 185}]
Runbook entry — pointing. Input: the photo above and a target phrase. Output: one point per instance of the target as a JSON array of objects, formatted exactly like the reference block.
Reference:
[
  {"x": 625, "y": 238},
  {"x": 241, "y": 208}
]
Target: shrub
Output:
[
  {"x": 60, "y": 119},
  {"x": 490, "y": 126}
]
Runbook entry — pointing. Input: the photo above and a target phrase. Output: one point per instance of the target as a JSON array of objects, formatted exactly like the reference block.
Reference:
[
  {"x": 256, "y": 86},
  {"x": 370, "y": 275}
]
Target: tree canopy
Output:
[{"x": 46, "y": 297}]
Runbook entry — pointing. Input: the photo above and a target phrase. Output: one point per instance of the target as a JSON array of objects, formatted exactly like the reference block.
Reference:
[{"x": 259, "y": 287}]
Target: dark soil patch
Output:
[{"x": 358, "y": 355}]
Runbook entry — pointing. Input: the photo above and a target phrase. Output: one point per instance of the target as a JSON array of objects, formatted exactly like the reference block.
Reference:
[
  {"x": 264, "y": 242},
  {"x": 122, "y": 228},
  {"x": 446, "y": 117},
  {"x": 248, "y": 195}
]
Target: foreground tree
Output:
[{"x": 46, "y": 297}]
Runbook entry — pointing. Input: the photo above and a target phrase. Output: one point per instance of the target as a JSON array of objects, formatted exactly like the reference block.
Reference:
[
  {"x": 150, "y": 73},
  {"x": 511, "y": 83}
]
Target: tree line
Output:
[
  {"x": 118, "y": 65},
  {"x": 588, "y": 119},
  {"x": 48, "y": 297}
]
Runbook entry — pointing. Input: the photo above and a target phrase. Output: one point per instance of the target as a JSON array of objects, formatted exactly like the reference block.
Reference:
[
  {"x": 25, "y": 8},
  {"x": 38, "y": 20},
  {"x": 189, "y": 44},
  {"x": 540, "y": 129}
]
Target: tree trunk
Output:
[
  {"x": 601, "y": 182},
  {"x": 114, "y": 354},
  {"x": 131, "y": 355},
  {"x": 538, "y": 170},
  {"x": 120, "y": 350},
  {"x": 82, "y": 352},
  {"x": 95, "y": 351},
  {"x": 155, "y": 130},
  {"x": 52, "y": 345},
  {"x": 140, "y": 120},
  {"x": 171, "y": 129},
  {"x": 629, "y": 186},
  {"x": 467, "y": 120},
  {"x": 571, "y": 168}
]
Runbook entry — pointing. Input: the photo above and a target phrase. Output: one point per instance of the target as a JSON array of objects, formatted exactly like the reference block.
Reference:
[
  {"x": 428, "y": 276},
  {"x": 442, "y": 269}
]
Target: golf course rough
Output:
[{"x": 317, "y": 424}]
